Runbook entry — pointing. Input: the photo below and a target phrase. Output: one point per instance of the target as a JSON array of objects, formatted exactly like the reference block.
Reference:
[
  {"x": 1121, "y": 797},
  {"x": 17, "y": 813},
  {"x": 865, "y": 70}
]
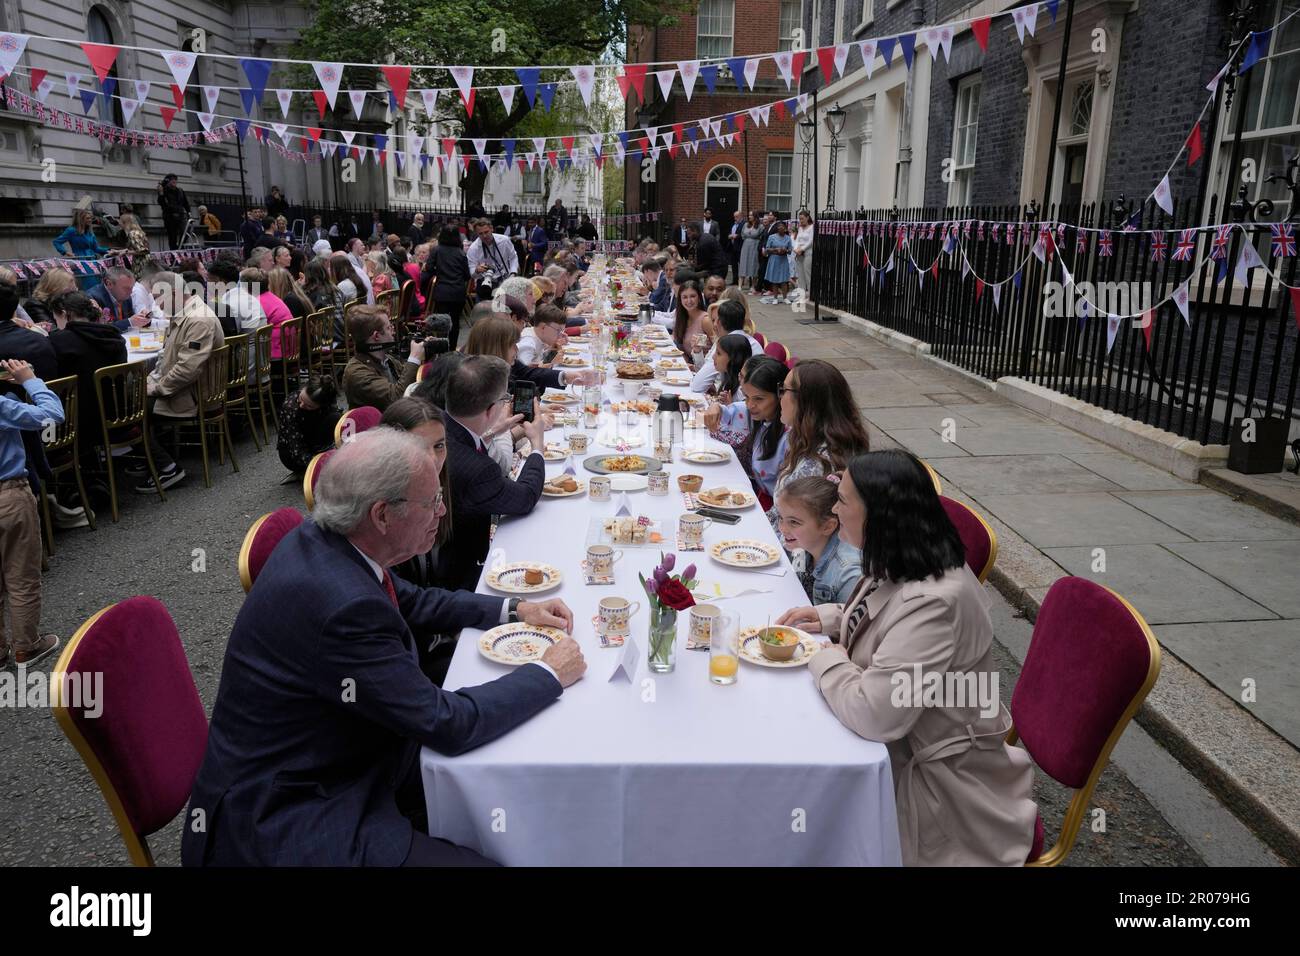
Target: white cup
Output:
[
  {"x": 601, "y": 558},
  {"x": 702, "y": 618},
  {"x": 658, "y": 482},
  {"x": 615, "y": 615},
  {"x": 692, "y": 527},
  {"x": 598, "y": 488}
]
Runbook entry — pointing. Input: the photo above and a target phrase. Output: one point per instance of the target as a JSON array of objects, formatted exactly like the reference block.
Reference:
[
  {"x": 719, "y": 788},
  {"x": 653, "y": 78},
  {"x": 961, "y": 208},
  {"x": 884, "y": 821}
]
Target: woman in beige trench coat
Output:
[{"x": 908, "y": 664}]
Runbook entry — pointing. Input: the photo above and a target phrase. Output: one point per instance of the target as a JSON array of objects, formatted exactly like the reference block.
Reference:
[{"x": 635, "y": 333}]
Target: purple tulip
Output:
[
  {"x": 652, "y": 586},
  {"x": 660, "y": 576},
  {"x": 689, "y": 573},
  {"x": 668, "y": 562}
]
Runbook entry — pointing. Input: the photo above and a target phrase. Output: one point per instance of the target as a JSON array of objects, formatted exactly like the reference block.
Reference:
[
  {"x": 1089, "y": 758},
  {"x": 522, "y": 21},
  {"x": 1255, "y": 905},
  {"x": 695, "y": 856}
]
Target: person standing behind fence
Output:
[
  {"x": 78, "y": 241},
  {"x": 210, "y": 224},
  {"x": 175, "y": 210}
]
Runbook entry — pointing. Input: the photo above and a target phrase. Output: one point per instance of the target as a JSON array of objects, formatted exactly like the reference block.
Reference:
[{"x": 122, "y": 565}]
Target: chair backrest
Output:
[
  {"x": 320, "y": 336},
  {"x": 761, "y": 339},
  {"x": 143, "y": 735},
  {"x": 791, "y": 362},
  {"x": 262, "y": 348},
  {"x": 290, "y": 354},
  {"x": 934, "y": 476},
  {"x": 355, "y": 421},
  {"x": 387, "y": 299},
  {"x": 237, "y": 373},
  {"x": 311, "y": 476},
  {"x": 979, "y": 538},
  {"x": 65, "y": 434},
  {"x": 261, "y": 539},
  {"x": 122, "y": 393},
  {"x": 404, "y": 300},
  {"x": 210, "y": 389},
  {"x": 777, "y": 351},
  {"x": 1092, "y": 660}
]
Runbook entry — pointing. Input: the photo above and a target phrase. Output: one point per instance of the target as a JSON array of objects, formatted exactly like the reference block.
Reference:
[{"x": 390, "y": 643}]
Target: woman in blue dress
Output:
[
  {"x": 758, "y": 416},
  {"x": 79, "y": 242},
  {"x": 777, "y": 252}
]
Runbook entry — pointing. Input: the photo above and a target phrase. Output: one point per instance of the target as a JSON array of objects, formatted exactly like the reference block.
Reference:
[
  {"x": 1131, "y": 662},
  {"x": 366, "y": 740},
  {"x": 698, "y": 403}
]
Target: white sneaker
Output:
[{"x": 768, "y": 300}]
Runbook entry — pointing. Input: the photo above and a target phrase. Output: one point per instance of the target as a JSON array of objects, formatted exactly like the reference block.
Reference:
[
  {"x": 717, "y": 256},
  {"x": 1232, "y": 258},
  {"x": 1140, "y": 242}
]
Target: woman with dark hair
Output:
[
  {"x": 907, "y": 653},
  {"x": 823, "y": 426},
  {"x": 433, "y": 387},
  {"x": 306, "y": 424},
  {"x": 758, "y": 417},
  {"x": 729, "y": 358},
  {"x": 690, "y": 317},
  {"x": 324, "y": 294},
  {"x": 447, "y": 268}
]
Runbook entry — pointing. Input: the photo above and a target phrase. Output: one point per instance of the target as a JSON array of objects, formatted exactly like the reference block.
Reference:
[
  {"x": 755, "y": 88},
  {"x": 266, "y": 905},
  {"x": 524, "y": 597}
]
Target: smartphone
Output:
[
  {"x": 549, "y": 356},
  {"x": 525, "y": 393},
  {"x": 726, "y": 517}
]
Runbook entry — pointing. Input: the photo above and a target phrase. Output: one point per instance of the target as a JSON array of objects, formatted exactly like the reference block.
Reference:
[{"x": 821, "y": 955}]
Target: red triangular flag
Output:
[
  {"x": 1194, "y": 145},
  {"x": 322, "y": 101},
  {"x": 1148, "y": 326},
  {"x": 553, "y": 158},
  {"x": 101, "y": 57},
  {"x": 980, "y": 28},
  {"x": 797, "y": 58},
  {"x": 826, "y": 58},
  {"x": 448, "y": 144},
  {"x": 314, "y": 132},
  {"x": 464, "y": 162},
  {"x": 1295, "y": 305},
  {"x": 739, "y": 120},
  {"x": 672, "y": 152},
  {"x": 979, "y": 288},
  {"x": 398, "y": 78},
  {"x": 303, "y": 141},
  {"x": 523, "y": 165},
  {"x": 779, "y": 109},
  {"x": 934, "y": 269},
  {"x": 178, "y": 96},
  {"x": 567, "y": 142},
  {"x": 36, "y": 76},
  {"x": 168, "y": 114},
  {"x": 600, "y": 161},
  {"x": 356, "y": 152},
  {"x": 622, "y": 80},
  {"x": 469, "y": 101},
  {"x": 636, "y": 73}
]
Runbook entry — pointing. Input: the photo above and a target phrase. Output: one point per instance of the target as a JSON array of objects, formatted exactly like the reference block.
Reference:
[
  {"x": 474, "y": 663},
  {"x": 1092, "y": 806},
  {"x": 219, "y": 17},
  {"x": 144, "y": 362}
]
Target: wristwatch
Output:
[{"x": 512, "y": 611}]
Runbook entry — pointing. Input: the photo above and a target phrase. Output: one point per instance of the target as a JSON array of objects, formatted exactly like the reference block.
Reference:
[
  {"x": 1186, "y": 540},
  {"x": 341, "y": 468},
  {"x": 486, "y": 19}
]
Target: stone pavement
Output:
[{"x": 1217, "y": 580}]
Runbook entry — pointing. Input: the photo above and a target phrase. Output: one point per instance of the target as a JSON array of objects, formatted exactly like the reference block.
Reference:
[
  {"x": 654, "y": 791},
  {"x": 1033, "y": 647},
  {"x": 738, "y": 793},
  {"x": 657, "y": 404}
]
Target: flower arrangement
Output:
[{"x": 668, "y": 594}]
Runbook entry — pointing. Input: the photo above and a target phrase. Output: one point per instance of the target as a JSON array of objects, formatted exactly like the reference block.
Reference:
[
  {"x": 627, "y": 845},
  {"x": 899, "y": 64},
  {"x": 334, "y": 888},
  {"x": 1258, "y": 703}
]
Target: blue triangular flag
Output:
[
  {"x": 622, "y": 138},
  {"x": 396, "y": 156},
  {"x": 87, "y": 99},
  {"x": 634, "y": 155},
  {"x": 483, "y": 163},
  {"x": 241, "y": 127},
  {"x": 528, "y": 80},
  {"x": 381, "y": 142},
  {"x": 108, "y": 87},
  {"x": 1052, "y": 7},
  {"x": 886, "y": 49},
  {"x": 791, "y": 105},
  {"x": 737, "y": 65},
  {"x": 508, "y": 145},
  {"x": 547, "y": 92},
  {"x": 693, "y": 132},
  {"x": 424, "y": 160},
  {"x": 908, "y": 42},
  {"x": 257, "y": 71},
  {"x": 392, "y": 102},
  {"x": 709, "y": 74},
  {"x": 1016, "y": 278},
  {"x": 249, "y": 100},
  {"x": 1257, "y": 50},
  {"x": 1223, "y": 269},
  {"x": 565, "y": 163}
]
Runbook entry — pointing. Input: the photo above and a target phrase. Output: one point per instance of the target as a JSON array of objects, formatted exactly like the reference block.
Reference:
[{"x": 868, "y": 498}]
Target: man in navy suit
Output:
[
  {"x": 312, "y": 756},
  {"x": 661, "y": 291},
  {"x": 478, "y": 407}
]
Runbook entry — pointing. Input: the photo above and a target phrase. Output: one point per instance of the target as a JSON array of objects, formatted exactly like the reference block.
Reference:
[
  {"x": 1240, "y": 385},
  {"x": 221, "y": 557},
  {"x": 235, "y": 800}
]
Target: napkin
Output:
[
  {"x": 624, "y": 509},
  {"x": 569, "y": 469},
  {"x": 627, "y": 661}
]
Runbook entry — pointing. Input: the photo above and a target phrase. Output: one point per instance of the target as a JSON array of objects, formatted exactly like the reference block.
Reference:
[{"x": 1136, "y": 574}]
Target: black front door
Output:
[{"x": 723, "y": 200}]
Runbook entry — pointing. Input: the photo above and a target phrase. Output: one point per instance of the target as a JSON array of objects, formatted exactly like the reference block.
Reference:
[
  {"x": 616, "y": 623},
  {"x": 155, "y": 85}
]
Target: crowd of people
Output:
[
  {"x": 377, "y": 583},
  {"x": 759, "y": 252}
]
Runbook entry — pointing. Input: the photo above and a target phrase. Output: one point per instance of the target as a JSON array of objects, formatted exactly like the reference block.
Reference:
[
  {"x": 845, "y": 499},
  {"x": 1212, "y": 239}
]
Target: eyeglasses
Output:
[
  {"x": 783, "y": 389},
  {"x": 435, "y": 502}
]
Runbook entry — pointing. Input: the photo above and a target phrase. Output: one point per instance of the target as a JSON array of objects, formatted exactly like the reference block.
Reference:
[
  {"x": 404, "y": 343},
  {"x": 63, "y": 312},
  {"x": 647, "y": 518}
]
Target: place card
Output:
[
  {"x": 624, "y": 508},
  {"x": 627, "y": 661}
]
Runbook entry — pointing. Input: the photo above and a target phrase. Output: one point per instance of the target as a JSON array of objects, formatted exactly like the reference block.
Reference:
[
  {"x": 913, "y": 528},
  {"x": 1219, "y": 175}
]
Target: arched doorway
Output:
[{"x": 722, "y": 194}]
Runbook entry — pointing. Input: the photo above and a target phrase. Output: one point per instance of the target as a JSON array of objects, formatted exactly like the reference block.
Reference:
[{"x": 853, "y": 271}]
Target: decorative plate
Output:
[
  {"x": 673, "y": 364},
  {"x": 629, "y": 482},
  {"x": 519, "y": 643},
  {"x": 744, "y": 553},
  {"x": 573, "y": 362},
  {"x": 555, "y": 452},
  {"x": 548, "y": 492},
  {"x": 751, "y": 651},
  {"x": 509, "y": 578},
  {"x": 671, "y": 352},
  {"x": 676, "y": 380},
  {"x": 597, "y": 464},
  {"x": 703, "y": 457},
  {"x": 560, "y": 398},
  {"x": 704, "y": 497},
  {"x": 147, "y": 348},
  {"x": 620, "y": 442}
]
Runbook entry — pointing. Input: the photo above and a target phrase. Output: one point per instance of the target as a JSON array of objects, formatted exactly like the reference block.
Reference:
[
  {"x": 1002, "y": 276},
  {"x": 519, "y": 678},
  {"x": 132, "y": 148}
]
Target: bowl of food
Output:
[
  {"x": 691, "y": 483},
  {"x": 778, "y": 643}
]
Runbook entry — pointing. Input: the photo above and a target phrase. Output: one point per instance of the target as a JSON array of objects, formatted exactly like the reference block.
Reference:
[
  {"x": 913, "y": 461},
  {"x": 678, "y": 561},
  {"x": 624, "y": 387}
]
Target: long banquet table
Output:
[{"x": 668, "y": 769}]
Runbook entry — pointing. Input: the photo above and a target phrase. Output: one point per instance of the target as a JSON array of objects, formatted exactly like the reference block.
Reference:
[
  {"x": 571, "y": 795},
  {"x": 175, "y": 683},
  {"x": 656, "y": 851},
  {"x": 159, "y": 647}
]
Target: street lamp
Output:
[
  {"x": 807, "y": 128},
  {"x": 835, "y": 118}
]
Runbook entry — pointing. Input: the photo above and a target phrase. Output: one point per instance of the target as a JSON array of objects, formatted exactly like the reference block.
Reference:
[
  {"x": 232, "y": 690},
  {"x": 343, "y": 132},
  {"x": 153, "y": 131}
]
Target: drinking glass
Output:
[{"x": 724, "y": 648}]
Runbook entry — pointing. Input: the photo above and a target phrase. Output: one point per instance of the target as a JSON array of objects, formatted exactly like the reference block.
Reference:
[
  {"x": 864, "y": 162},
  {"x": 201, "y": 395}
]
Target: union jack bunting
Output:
[
  {"x": 1011, "y": 234},
  {"x": 1186, "y": 246},
  {"x": 1080, "y": 241},
  {"x": 1105, "y": 244},
  {"x": 1024, "y": 232},
  {"x": 1283, "y": 239},
  {"x": 1159, "y": 245},
  {"x": 965, "y": 229},
  {"x": 993, "y": 231},
  {"x": 979, "y": 230},
  {"x": 1219, "y": 248}
]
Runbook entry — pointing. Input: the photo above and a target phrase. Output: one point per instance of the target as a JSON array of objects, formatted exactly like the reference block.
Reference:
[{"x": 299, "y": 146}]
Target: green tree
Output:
[{"x": 495, "y": 35}]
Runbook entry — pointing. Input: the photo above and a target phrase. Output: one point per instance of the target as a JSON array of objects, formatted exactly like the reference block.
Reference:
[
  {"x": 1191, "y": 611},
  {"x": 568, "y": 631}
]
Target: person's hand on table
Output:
[
  {"x": 565, "y": 658},
  {"x": 804, "y": 618},
  {"x": 552, "y": 613},
  {"x": 140, "y": 320},
  {"x": 18, "y": 370}
]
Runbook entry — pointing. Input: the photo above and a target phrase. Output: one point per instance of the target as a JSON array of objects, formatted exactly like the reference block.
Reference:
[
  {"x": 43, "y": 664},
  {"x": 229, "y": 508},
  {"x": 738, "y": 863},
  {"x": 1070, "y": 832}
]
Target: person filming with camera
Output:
[{"x": 373, "y": 377}]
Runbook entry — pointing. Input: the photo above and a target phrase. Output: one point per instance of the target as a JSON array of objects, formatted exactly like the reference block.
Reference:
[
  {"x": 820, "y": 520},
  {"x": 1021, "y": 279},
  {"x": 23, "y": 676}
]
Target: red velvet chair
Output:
[
  {"x": 980, "y": 540},
  {"x": 261, "y": 540},
  {"x": 362, "y": 418},
  {"x": 1092, "y": 661},
  {"x": 145, "y": 744},
  {"x": 761, "y": 339},
  {"x": 311, "y": 476},
  {"x": 777, "y": 351},
  {"x": 792, "y": 361},
  {"x": 934, "y": 476}
]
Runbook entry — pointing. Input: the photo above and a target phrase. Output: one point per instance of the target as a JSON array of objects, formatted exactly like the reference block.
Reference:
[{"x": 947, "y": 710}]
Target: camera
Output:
[{"x": 435, "y": 335}]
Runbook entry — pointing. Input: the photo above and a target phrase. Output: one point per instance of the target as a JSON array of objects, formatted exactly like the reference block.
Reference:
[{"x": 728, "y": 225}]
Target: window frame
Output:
[
  {"x": 768, "y": 178},
  {"x": 785, "y": 42},
  {"x": 959, "y": 190},
  {"x": 729, "y": 36}
]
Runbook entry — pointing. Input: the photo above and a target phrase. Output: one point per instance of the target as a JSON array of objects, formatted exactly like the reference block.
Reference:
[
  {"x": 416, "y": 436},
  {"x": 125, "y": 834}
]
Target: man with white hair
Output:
[
  {"x": 356, "y": 251},
  {"x": 313, "y": 749},
  {"x": 322, "y": 249}
]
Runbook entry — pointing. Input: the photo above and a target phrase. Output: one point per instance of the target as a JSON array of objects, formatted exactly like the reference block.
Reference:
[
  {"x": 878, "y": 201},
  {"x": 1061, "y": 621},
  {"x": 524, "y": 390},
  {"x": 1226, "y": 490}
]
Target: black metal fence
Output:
[{"x": 1237, "y": 353}]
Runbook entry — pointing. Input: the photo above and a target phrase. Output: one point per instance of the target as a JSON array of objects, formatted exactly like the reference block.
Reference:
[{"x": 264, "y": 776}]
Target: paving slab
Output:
[
  {"x": 888, "y": 397},
  {"x": 1210, "y": 516},
  {"x": 1067, "y": 520},
  {"x": 1164, "y": 588},
  {"x": 1027, "y": 438},
  {"x": 1265, "y": 571},
  {"x": 918, "y": 416},
  {"x": 1128, "y": 472},
  {"x": 1266, "y": 653},
  {"x": 995, "y": 411},
  {"x": 925, "y": 443},
  {"x": 1029, "y": 474}
]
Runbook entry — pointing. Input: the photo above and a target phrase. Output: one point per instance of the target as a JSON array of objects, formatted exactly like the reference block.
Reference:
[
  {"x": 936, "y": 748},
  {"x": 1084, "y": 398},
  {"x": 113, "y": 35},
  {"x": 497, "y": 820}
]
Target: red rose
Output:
[{"x": 675, "y": 595}]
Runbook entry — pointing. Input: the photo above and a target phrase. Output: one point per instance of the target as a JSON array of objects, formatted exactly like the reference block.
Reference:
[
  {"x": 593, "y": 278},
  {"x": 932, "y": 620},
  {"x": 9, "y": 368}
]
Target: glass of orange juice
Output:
[
  {"x": 134, "y": 341},
  {"x": 724, "y": 648}
]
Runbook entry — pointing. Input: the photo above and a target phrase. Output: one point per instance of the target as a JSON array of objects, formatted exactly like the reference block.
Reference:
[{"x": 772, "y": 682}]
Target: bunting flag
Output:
[
  {"x": 528, "y": 77},
  {"x": 908, "y": 44},
  {"x": 1247, "y": 259},
  {"x": 598, "y": 141},
  {"x": 73, "y": 83},
  {"x": 1052, "y": 7},
  {"x": 257, "y": 71},
  {"x": 282, "y": 131},
  {"x": 479, "y": 146},
  {"x": 1148, "y": 326},
  {"x": 329, "y": 75},
  {"x": 12, "y": 46},
  {"x": 979, "y": 288},
  {"x": 665, "y": 78},
  {"x": 206, "y": 119},
  {"x": 43, "y": 89},
  {"x": 709, "y": 74},
  {"x": 430, "y": 100},
  {"x": 181, "y": 65},
  {"x": 1159, "y": 245},
  {"x": 1112, "y": 331},
  {"x": 546, "y": 92},
  {"x": 34, "y": 79},
  {"x": 867, "y": 48},
  {"x": 1295, "y": 304},
  {"x": 169, "y": 114},
  {"x": 737, "y": 65},
  {"x": 1195, "y": 148},
  {"x": 358, "y": 100},
  {"x": 468, "y": 101},
  {"x": 245, "y": 96},
  {"x": 1219, "y": 246},
  {"x": 1106, "y": 244},
  {"x": 690, "y": 71},
  {"x": 314, "y": 132},
  {"x": 87, "y": 100},
  {"x": 634, "y": 77},
  {"x": 102, "y": 56},
  {"x": 1283, "y": 240},
  {"x": 464, "y": 77},
  {"x": 508, "y": 147},
  {"x": 1185, "y": 247},
  {"x": 980, "y": 28},
  {"x": 141, "y": 88},
  {"x": 1180, "y": 298},
  {"x": 1213, "y": 85},
  {"x": 129, "y": 106},
  {"x": 285, "y": 99},
  {"x": 585, "y": 76},
  {"x": 997, "y": 297},
  {"x": 241, "y": 128},
  {"x": 448, "y": 146},
  {"x": 885, "y": 47},
  {"x": 507, "y": 94},
  {"x": 826, "y": 60},
  {"x": 1257, "y": 50},
  {"x": 1026, "y": 19},
  {"x": 1163, "y": 197}
]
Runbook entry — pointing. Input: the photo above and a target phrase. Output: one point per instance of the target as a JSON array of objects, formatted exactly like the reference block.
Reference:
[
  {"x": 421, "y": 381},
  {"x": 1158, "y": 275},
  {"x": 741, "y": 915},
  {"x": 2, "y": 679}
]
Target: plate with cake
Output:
[{"x": 523, "y": 577}]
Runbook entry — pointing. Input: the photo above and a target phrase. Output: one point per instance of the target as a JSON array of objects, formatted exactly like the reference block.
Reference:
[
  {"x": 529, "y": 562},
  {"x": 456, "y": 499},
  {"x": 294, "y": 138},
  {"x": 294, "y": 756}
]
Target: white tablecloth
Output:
[{"x": 670, "y": 769}]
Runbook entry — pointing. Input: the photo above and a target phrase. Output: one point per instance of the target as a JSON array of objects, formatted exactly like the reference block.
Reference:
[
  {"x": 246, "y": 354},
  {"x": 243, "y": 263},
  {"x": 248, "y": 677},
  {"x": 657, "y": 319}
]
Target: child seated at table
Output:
[{"x": 828, "y": 567}]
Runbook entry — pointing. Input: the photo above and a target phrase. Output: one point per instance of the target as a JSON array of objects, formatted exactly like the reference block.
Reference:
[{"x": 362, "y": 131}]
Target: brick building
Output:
[{"x": 755, "y": 173}]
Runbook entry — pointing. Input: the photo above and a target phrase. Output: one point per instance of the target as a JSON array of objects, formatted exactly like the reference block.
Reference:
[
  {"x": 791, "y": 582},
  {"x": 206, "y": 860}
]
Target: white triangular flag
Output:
[
  {"x": 751, "y": 71},
  {"x": 44, "y": 88},
  {"x": 1026, "y": 20},
  {"x": 652, "y": 133},
  {"x": 585, "y": 76},
  {"x": 11, "y": 51},
  {"x": 507, "y": 96},
  {"x": 804, "y": 99},
  {"x": 754, "y": 115},
  {"x": 73, "y": 81},
  {"x": 464, "y": 77},
  {"x": 532, "y": 160},
  {"x": 348, "y": 135},
  {"x": 997, "y": 296},
  {"x": 665, "y": 78},
  {"x": 430, "y": 100},
  {"x": 619, "y": 152},
  {"x": 358, "y": 99},
  {"x": 1213, "y": 85},
  {"x": 1247, "y": 259},
  {"x": 930, "y": 38},
  {"x": 841, "y": 58},
  {"x": 654, "y": 153},
  {"x": 667, "y": 136},
  {"x": 285, "y": 98},
  {"x": 765, "y": 113},
  {"x": 785, "y": 67},
  {"x": 597, "y": 142},
  {"x": 945, "y": 39},
  {"x": 1163, "y": 197},
  {"x": 690, "y": 70},
  {"x": 210, "y": 96},
  {"x": 868, "y": 50},
  {"x": 206, "y": 120},
  {"x": 1039, "y": 250},
  {"x": 1112, "y": 330},
  {"x": 181, "y": 65},
  {"x": 129, "y": 106},
  {"x": 141, "y": 89},
  {"x": 282, "y": 131},
  {"x": 329, "y": 75},
  {"x": 1180, "y": 300},
  {"x": 479, "y": 146}
]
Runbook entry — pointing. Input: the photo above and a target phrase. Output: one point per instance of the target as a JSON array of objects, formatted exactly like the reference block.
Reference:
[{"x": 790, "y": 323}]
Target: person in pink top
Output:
[
  {"x": 413, "y": 269},
  {"x": 276, "y": 312}
]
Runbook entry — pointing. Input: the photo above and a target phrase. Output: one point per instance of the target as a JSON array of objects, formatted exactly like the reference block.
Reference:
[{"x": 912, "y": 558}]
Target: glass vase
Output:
[{"x": 662, "y": 651}]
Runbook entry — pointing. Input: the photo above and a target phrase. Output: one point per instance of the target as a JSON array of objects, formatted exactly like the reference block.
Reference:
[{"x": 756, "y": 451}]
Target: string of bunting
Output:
[{"x": 35, "y": 268}]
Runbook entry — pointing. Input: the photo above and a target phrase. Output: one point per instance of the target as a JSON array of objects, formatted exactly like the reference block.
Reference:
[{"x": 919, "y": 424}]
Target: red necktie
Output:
[
  {"x": 389, "y": 589},
  {"x": 482, "y": 448}
]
